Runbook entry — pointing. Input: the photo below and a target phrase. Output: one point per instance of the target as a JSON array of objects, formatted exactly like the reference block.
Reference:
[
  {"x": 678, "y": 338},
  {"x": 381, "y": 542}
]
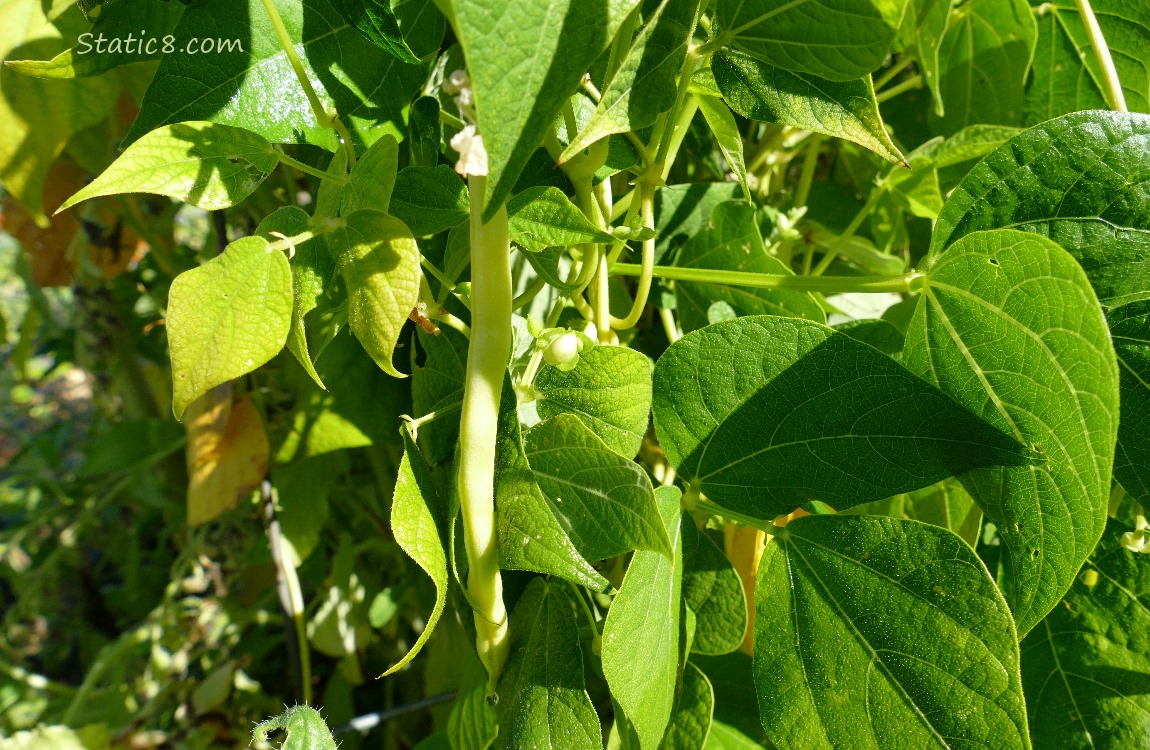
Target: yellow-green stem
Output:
[
  {"x": 908, "y": 282},
  {"x": 1102, "y": 53},
  {"x": 487, "y": 357}
]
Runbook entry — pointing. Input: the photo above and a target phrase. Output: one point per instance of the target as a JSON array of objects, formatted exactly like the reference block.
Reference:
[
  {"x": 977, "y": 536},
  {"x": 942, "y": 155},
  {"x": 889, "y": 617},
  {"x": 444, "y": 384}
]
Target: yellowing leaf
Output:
[
  {"x": 227, "y": 453},
  {"x": 37, "y": 117}
]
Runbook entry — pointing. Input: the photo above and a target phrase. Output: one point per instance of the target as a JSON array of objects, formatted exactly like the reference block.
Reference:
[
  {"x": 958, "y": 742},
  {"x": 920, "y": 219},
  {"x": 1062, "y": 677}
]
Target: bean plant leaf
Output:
[
  {"x": 604, "y": 501},
  {"x": 1086, "y": 666},
  {"x": 530, "y": 537},
  {"x": 1130, "y": 330},
  {"x": 119, "y": 24},
  {"x": 379, "y": 262},
  {"x": 948, "y": 505},
  {"x": 252, "y": 84},
  {"x": 430, "y": 199},
  {"x": 311, "y": 269},
  {"x": 1009, "y": 326},
  {"x": 208, "y": 165},
  {"x": 305, "y": 729},
  {"x": 522, "y": 79},
  {"x": 682, "y": 211},
  {"x": 984, "y": 55},
  {"x": 873, "y": 632},
  {"x": 644, "y": 85},
  {"x": 543, "y": 217},
  {"x": 834, "y": 39},
  {"x": 1080, "y": 180},
  {"x": 713, "y": 591},
  {"x": 731, "y": 242},
  {"x": 1067, "y": 77},
  {"x": 726, "y": 131},
  {"x": 419, "y": 525},
  {"x": 373, "y": 178},
  {"x": 691, "y": 718},
  {"x": 843, "y": 109},
  {"x": 641, "y": 634},
  {"x": 227, "y": 317},
  {"x": 437, "y": 386},
  {"x": 424, "y": 132},
  {"x": 543, "y": 701},
  {"x": 376, "y": 20},
  {"x": 609, "y": 389},
  {"x": 741, "y": 408}
]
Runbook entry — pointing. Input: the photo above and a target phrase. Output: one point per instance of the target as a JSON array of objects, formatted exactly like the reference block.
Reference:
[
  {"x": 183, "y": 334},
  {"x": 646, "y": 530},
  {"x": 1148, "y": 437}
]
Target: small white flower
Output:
[
  {"x": 456, "y": 82},
  {"x": 472, "y": 156},
  {"x": 1138, "y": 540}
]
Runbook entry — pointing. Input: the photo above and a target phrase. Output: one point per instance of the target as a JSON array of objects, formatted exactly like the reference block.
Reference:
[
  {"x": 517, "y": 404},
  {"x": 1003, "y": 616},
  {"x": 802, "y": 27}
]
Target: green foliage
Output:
[{"x": 617, "y": 374}]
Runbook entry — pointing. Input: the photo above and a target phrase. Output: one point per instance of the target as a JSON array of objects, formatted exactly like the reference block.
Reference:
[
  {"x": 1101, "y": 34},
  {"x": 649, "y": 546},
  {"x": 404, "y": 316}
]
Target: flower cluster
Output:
[{"x": 467, "y": 142}]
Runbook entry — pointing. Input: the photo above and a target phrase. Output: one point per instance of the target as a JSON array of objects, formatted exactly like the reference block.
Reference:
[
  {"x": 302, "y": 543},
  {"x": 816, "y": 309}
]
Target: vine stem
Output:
[
  {"x": 308, "y": 169},
  {"x": 907, "y": 282},
  {"x": 323, "y": 117},
  {"x": 487, "y": 356},
  {"x": 1102, "y": 53}
]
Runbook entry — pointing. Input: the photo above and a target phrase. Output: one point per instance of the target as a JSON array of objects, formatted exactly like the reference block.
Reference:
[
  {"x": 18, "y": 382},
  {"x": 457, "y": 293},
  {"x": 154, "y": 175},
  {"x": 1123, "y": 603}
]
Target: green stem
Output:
[
  {"x": 706, "y": 506},
  {"x": 907, "y": 282},
  {"x": 487, "y": 357},
  {"x": 889, "y": 76},
  {"x": 643, "y": 291},
  {"x": 322, "y": 116},
  {"x": 810, "y": 163},
  {"x": 914, "y": 82},
  {"x": 307, "y": 169},
  {"x": 1102, "y": 53},
  {"x": 867, "y": 209}
]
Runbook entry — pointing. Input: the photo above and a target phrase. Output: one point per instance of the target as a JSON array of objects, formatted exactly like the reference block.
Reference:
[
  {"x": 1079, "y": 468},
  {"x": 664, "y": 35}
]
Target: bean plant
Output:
[{"x": 733, "y": 373}]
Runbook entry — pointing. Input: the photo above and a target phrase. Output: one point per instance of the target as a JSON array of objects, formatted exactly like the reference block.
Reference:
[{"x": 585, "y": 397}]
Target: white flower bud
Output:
[
  {"x": 563, "y": 349},
  {"x": 472, "y": 155}
]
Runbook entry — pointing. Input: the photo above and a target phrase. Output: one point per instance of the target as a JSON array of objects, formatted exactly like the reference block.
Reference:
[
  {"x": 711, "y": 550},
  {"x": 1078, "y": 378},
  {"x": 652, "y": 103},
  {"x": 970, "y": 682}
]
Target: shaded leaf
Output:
[
  {"x": 835, "y": 39},
  {"x": 376, "y": 20},
  {"x": 605, "y": 502},
  {"x": 691, "y": 717},
  {"x": 742, "y": 407},
  {"x": 1130, "y": 329},
  {"x": 543, "y": 700},
  {"x": 877, "y": 633},
  {"x": 372, "y": 179},
  {"x": 1086, "y": 667},
  {"x": 843, "y": 109},
  {"x": 713, "y": 591},
  {"x": 430, "y": 199}
]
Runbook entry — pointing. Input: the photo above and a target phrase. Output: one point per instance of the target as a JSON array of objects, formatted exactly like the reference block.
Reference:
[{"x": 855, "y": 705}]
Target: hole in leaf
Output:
[{"x": 992, "y": 261}]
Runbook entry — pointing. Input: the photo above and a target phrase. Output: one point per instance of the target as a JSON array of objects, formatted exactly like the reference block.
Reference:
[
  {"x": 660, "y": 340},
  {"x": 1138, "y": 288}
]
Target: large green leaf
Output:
[
  {"x": 1067, "y": 77},
  {"x": 525, "y": 59},
  {"x": 208, "y": 165},
  {"x": 835, "y": 39},
  {"x": 1080, "y": 180},
  {"x": 530, "y": 537},
  {"x": 419, "y": 525},
  {"x": 37, "y": 117},
  {"x": 609, "y": 389},
  {"x": 843, "y": 109},
  {"x": 227, "y": 317},
  {"x": 543, "y": 217},
  {"x": 125, "y": 32},
  {"x": 877, "y": 633},
  {"x": 1130, "y": 329},
  {"x": 641, "y": 634},
  {"x": 543, "y": 702},
  {"x": 682, "y": 211},
  {"x": 644, "y": 85},
  {"x": 311, "y": 270},
  {"x": 379, "y": 262},
  {"x": 1009, "y": 326},
  {"x": 604, "y": 501},
  {"x": 713, "y": 591},
  {"x": 1086, "y": 667},
  {"x": 253, "y": 85},
  {"x": 430, "y": 199},
  {"x": 731, "y": 242},
  {"x": 984, "y": 54},
  {"x": 765, "y": 413}
]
